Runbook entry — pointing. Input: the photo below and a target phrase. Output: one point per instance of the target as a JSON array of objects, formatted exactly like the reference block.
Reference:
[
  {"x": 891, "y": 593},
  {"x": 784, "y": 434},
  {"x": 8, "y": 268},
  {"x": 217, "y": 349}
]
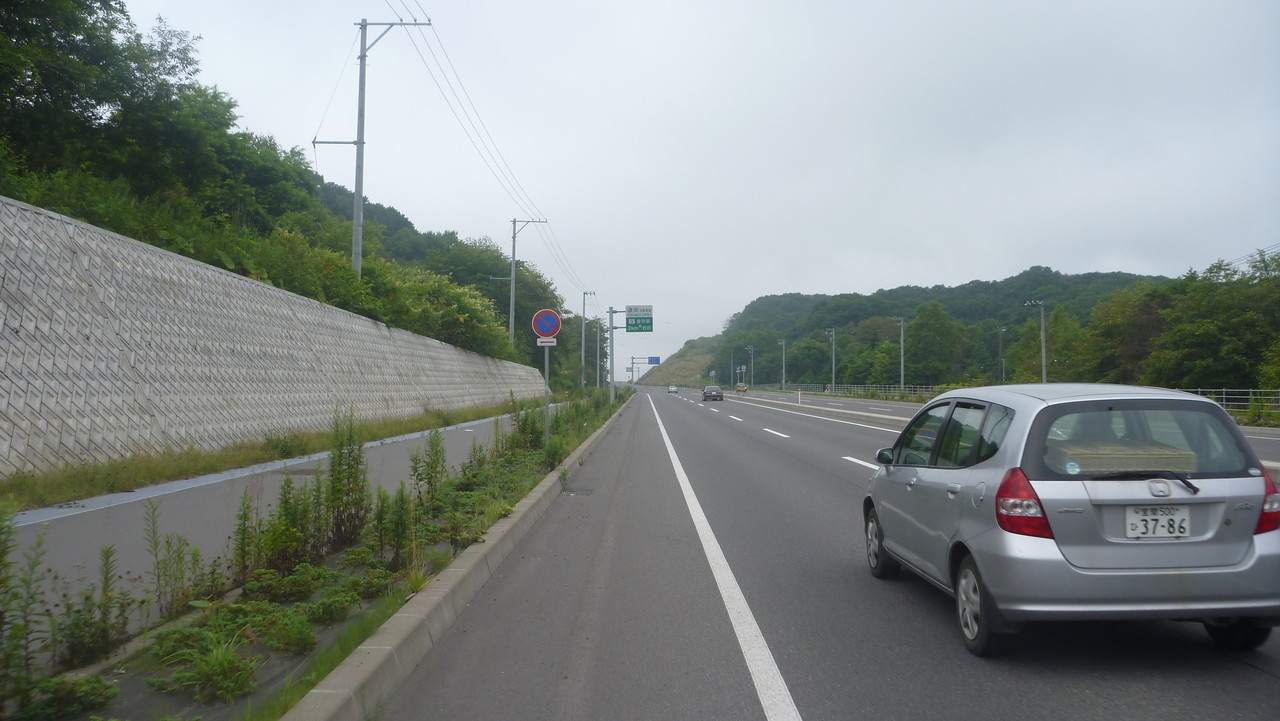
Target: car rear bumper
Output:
[{"x": 1030, "y": 580}]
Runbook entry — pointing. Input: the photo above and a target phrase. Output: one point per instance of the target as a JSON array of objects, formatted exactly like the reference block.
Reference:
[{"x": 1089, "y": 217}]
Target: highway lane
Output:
[
  {"x": 895, "y": 414},
  {"x": 609, "y": 608}
]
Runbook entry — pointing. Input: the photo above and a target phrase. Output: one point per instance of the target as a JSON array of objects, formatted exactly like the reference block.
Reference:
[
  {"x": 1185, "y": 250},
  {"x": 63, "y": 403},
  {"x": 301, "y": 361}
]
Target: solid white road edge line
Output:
[
  {"x": 770, "y": 430},
  {"x": 851, "y": 459},
  {"x": 774, "y": 695}
]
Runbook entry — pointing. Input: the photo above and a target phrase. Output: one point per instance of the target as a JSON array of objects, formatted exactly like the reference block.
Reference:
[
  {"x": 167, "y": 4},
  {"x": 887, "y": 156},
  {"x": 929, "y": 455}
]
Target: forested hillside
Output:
[
  {"x": 107, "y": 124},
  {"x": 1219, "y": 328}
]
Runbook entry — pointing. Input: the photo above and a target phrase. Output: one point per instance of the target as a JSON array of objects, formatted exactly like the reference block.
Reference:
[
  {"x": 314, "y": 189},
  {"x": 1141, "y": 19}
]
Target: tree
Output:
[
  {"x": 936, "y": 346},
  {"x": 1120, "y": 332},
  {"x": 1218, "y": 330}
]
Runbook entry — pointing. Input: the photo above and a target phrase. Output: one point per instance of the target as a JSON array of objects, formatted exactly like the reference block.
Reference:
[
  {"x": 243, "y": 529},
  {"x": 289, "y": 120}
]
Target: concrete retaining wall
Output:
[{"x": 110, "y": 347}]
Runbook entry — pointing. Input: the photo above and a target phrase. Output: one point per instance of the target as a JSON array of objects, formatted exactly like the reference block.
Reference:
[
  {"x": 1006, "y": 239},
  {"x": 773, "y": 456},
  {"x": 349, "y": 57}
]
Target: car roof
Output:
[{"x": 1051, "y": 393}]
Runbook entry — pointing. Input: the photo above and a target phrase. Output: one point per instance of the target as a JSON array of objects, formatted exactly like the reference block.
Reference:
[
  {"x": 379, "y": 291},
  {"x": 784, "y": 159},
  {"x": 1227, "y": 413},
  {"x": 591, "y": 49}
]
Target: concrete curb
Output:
[{"x": 355, "y": 690}]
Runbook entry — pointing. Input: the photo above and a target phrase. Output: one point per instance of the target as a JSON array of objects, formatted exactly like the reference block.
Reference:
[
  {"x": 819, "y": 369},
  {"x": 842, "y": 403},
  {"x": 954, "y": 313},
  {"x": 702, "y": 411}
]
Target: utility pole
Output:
[
  {"x": 599, "y": 332},
  {"x": 751, "y": 349},
  {"x": 357, "y": 212},
  {"x": 1044, "y": 368},
  {"x": 511, "y": 314},
  {"x": 582, "y": 375}
]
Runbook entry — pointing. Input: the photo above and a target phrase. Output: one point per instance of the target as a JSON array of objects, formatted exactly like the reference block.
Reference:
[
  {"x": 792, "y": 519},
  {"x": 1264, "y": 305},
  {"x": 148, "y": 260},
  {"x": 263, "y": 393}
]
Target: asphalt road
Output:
[{"x": 706, "y": 561}]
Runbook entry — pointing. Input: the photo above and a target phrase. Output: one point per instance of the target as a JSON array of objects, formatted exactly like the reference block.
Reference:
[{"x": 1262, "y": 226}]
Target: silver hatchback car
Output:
[{"x": 1080, "y": 501}]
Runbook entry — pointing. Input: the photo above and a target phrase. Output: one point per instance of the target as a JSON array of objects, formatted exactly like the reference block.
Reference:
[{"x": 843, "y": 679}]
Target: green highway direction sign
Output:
[{"x": 639, "y": 319}]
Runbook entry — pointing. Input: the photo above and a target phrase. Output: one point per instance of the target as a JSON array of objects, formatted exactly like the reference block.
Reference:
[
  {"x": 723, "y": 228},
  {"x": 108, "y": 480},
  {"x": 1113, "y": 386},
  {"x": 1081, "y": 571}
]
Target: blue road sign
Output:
[{"x": 546, "y": 323}]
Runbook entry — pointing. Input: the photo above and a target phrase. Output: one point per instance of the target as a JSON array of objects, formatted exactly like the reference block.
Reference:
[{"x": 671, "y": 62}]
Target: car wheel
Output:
[
  {"x": 1240, "y": 634},
  {"x": 882, "y": 565},
  {"x": 976, "y": 611}
]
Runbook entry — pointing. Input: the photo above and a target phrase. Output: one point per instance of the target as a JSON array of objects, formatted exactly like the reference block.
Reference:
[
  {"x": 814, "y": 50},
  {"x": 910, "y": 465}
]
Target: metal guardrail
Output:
[
  {"x": 1243, "y": 401},
  {"x": 1249, "y": 403}
]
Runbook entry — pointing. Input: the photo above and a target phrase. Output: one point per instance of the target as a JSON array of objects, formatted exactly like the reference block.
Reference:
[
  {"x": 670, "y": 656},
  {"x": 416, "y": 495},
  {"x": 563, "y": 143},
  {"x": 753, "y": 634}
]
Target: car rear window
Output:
[{"x": 1087, "y": 439}]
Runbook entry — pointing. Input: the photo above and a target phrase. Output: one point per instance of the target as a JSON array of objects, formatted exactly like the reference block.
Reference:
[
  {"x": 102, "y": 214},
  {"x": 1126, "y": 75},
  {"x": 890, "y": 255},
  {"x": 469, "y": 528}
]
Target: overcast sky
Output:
[{"x": 694, "y": 155}]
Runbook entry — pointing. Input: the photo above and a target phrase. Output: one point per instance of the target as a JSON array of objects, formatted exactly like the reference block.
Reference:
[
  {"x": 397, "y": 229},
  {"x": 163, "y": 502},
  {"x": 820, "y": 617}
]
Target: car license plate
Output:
[{"x": 1163, "y": 521}]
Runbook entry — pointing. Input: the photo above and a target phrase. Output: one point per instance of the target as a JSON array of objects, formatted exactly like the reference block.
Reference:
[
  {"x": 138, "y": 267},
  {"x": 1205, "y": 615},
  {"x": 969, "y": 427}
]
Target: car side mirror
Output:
[{"x": 884, "y": 456}]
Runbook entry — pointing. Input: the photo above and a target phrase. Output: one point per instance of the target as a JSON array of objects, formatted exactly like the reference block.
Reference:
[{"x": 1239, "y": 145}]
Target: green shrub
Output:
[
  {"x": 62, "y": 697},
  {"x": 216, "y": 671},
  {"x": 334, "y": 605}
]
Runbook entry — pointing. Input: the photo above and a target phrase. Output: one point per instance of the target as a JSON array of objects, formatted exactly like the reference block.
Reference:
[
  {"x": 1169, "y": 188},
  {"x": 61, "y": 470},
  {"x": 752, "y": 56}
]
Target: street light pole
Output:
[
  {"x": 783, "y": 343},
  {"x": 1044, "y": 368},
  {"x": 902, "y": 354},
  {"x": 751, "y": 349},
  {"x": 833, "y": 361},
  {"x": 1002, "y": 329}
]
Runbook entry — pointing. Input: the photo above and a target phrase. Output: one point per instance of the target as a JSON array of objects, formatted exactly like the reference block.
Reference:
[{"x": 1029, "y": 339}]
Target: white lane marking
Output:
[
  {"x": 821, "y": 418},
  {"x": 736, "y": 418},
  {"x": 851, "y": 459},
  {"x": 875, "y": 408},
  {"x": 837, "y": 405},
  {"x": 714, "y": 410},
  {"x": 774, "y": 695},
  {"x": 770, "y": 430}
]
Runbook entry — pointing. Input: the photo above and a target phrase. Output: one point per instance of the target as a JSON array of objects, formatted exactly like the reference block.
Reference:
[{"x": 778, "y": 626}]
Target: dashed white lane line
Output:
[
  {"x": 851, "y": 459},
  {"x": 770, "y": 430},
  {"x": 736, "y": 418}
]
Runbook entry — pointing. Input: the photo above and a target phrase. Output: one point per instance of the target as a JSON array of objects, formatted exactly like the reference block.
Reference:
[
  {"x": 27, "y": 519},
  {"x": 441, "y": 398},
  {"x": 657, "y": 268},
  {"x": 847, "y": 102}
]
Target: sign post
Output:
[{"x": 546, "y": 323}]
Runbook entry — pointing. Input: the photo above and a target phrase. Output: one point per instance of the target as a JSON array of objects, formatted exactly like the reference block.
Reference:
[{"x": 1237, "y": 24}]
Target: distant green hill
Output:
[
  {"x": 978, "y": 302},
  {"x": 980, "y": 331}
]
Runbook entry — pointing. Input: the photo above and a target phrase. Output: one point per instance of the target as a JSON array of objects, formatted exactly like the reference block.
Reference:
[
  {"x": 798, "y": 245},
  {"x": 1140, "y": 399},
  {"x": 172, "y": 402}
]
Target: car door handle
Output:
[
  {"x": 911, "y": 482},
  {"x": 953, "y": 489}
]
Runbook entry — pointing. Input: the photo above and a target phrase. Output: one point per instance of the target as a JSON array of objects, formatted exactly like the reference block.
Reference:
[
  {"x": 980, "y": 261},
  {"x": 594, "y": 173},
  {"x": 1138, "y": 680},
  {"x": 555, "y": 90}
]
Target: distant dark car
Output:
[{"x": 712, "y": 393}]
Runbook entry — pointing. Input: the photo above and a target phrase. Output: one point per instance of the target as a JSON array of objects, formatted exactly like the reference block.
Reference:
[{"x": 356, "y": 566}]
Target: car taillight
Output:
[
  {"x": 1270, "y": 518},
  {"x": 1018, "y": 507}
]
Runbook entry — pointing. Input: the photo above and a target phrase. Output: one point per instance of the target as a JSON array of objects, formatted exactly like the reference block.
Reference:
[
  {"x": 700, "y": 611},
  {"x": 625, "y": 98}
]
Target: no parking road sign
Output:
[{"x": 546, "y": 323}]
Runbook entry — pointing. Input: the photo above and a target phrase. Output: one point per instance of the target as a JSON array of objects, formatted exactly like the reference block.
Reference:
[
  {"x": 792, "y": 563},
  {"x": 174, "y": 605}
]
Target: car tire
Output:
[
  {"x": 882, "y": 564},
  {"x": 976, "y": 612},
  {"x": 1240, "y": 634}
]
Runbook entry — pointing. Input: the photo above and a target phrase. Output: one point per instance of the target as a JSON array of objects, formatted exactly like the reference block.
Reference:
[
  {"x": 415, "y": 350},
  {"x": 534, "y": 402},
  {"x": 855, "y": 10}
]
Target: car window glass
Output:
[
  {"x": 960, "y": 435},
  {"x": 917, "y": 441},
  {"x": 993, "y": 432},
  {"x": 1185, "y": 438}
]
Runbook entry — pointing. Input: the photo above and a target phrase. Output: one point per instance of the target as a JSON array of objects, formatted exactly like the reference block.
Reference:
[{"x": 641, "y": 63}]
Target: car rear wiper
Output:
[{"x": 1171, "y": 475}]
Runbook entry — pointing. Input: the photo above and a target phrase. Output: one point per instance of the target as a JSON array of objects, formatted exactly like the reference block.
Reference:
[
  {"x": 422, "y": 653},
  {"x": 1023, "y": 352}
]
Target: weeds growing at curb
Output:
[{"x": 330, "y": 552}]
